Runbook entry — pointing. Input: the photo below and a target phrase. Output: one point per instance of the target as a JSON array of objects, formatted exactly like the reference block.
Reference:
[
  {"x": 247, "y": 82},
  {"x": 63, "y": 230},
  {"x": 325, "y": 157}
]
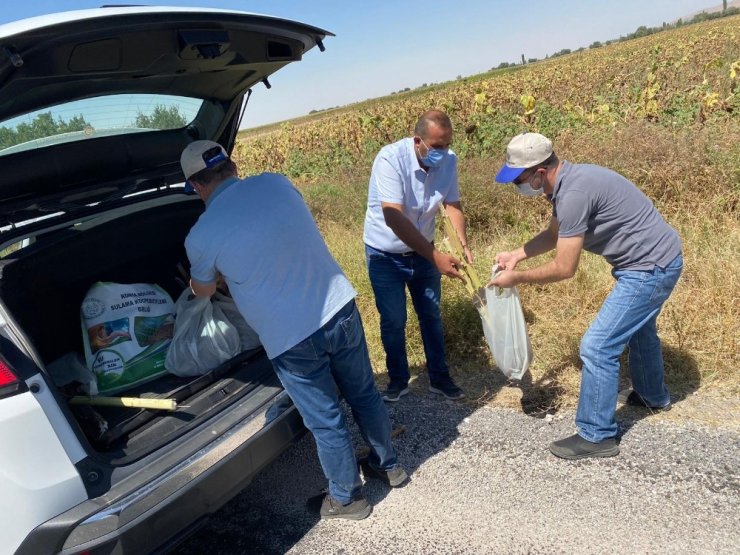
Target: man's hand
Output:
[
  {"x": 446, "y": 264},
  {"x": 507, "y": 260},
  {"x": 202, "y": 289},
  {"x": 505, "y": 278}
]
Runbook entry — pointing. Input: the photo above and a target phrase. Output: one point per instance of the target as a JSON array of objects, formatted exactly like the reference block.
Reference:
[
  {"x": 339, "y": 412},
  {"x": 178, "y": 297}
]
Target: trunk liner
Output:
[{"x": 136, "y": 431}]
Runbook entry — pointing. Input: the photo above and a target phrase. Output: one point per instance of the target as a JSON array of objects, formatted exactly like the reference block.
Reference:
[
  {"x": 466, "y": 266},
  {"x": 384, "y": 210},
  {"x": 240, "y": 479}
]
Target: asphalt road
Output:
[{"x": 483, "y": 481}]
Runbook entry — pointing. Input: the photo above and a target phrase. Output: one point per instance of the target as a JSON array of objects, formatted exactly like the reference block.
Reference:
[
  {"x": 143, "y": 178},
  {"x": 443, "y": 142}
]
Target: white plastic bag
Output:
[
  {"x": 249, "y": 338},
  {"x": 204, "y": 338},
  {"x": 506, "y": 331}
]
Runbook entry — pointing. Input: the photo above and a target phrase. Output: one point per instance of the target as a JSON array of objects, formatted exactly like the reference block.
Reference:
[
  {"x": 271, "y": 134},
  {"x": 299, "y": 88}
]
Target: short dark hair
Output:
[
  {"x": 208, "y": 175},
  {"x": 551, "y": 161},
  {"x": 437, "y": 117}
]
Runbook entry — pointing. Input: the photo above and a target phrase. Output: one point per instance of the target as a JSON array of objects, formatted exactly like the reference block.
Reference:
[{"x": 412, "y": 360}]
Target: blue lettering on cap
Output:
[{"x": 213, "y": 159}]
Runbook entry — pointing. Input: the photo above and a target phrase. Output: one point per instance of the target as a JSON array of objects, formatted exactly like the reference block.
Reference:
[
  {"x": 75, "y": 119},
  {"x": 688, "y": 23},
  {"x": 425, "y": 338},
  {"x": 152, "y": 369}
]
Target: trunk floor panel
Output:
[{"x": 134, "y": 432}]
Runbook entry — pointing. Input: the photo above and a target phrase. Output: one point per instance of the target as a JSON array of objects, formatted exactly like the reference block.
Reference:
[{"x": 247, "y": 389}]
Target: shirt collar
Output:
[
  {"x": 220, "y": 188},
  {"x": 564, "y": 170},
  {"x": 412, "y": 148}
]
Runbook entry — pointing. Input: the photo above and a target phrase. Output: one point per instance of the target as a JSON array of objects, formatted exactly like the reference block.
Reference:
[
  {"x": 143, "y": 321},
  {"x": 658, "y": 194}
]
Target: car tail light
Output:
[{"x": 9, "y": 383}]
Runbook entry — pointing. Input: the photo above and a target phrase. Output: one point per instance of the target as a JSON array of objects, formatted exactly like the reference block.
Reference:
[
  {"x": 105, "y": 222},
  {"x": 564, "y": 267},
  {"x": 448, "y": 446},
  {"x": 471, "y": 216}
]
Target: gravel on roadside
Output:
[{"x": 483, "y": 481}]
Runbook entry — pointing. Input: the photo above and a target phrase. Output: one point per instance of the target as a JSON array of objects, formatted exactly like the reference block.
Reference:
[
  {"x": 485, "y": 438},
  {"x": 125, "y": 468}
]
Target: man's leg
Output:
[
  {"x": 601, "y": 347},
  {"x": 425, "y": 289},
  {"x": 305, "y": 372},
  {"x": 645, "y": 354},
  {"x": 646, "y": 367},
  {"x": 389, "y": 287},
  {"x": 353, "y": 374},
  {"x": 629, "y": 307}
]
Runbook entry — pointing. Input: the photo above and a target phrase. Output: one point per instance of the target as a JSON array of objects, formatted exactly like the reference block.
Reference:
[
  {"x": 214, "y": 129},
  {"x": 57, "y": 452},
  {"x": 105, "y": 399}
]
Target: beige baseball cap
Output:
[{"x": 524, "y": 151}]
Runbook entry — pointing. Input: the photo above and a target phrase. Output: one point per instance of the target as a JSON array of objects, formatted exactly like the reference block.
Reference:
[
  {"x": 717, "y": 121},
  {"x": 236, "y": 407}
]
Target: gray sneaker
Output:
[
  {"x": 358, "y": 509},
  {"x": 575, "y": 447},
  {"x": 395, "y": 477}
]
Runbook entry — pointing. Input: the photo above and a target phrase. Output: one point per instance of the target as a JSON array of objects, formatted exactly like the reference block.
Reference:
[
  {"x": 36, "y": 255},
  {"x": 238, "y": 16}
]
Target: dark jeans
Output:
[
  {"x": 390, "y": 274},
  {"x": 331, "y": 361}
]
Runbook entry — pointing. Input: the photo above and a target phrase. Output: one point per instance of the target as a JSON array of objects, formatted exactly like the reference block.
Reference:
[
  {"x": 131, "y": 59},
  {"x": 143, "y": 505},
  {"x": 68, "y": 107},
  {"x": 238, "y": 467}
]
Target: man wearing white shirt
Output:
[{"x": 410, "y": 181}]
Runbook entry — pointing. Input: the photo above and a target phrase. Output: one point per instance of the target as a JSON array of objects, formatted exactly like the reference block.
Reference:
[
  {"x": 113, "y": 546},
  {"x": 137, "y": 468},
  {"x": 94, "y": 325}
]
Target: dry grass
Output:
[
  {"x": 693, "y": 181},
  {"x": 643, "y": 108}
]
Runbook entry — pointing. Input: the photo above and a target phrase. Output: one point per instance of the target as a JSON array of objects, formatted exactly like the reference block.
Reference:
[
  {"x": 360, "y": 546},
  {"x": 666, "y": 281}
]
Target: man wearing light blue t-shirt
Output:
[
  {"x": 598, "y": 210},
  {"x": 259, "y": 236},
  {"x": 411, "y": 180}
]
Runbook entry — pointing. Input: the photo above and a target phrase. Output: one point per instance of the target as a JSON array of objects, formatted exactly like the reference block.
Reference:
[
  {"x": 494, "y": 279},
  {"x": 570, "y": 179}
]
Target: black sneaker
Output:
[
  {"x": 395, "y": 477},
  {"x": 395, "y": 391},
  {"x": 447, "y": 388},
  {"x": 575, "y": 447},
  {"x": 358, "y": 509},
  {"x": 635, "y": 400}
]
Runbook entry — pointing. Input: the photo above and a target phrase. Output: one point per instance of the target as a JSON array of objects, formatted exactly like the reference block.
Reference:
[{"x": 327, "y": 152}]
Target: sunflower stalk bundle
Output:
[{"x": 472, "y": 282}]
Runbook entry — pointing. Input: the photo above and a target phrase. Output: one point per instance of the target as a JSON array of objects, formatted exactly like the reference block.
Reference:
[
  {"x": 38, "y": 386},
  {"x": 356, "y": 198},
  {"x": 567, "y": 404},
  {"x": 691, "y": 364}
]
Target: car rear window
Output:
[{"x": 95, "y": 117}]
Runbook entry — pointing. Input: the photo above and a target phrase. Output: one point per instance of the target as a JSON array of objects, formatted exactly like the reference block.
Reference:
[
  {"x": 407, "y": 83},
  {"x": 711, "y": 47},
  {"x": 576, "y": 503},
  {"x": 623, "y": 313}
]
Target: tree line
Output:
[{"x": 46, "y": 125}]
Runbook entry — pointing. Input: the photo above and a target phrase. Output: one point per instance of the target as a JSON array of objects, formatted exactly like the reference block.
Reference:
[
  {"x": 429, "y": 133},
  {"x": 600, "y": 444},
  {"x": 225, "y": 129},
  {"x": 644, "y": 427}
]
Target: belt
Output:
[{"x": 409, "y": 253}]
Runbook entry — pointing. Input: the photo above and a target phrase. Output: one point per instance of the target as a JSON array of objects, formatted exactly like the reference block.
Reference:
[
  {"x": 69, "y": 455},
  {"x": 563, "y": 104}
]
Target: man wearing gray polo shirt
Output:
[
  {"x": 599, "y": 210},
  {"x": 258, "y": 234},
  {"x": 410, "y": 181}
]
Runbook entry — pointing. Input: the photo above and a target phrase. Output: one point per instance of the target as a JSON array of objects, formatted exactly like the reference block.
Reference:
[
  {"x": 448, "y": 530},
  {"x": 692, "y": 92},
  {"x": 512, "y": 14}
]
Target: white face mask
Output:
[{"x": 527, "y": 190}]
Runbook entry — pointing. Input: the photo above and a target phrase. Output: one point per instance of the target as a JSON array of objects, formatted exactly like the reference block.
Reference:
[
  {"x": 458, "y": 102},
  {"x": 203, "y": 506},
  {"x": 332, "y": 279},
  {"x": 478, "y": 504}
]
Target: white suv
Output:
[{"x": 95, "y": 108}]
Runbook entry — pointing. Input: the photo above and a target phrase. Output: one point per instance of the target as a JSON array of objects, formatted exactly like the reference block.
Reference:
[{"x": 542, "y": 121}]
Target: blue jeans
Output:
[
  {"x": 332, "y": 361},
  {"x": 627, "y": 318},
  {"x": 390, "y": 274}
]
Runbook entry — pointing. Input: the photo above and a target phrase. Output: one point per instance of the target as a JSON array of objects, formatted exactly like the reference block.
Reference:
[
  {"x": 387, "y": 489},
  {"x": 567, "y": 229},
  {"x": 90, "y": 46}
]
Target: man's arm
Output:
[
  {"x": 203, "y": 266},
  {"x": 202, "y": 289},
  {"x": 406, "y": 232},
  {"x": 563, "y": 266},
  {"x": 541, "y": 243},
  {"x": 455, "y": 213}
]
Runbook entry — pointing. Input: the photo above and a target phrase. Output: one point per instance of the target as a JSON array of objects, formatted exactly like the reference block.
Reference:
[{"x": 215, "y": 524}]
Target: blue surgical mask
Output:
[{"x": 434, "y": 156}]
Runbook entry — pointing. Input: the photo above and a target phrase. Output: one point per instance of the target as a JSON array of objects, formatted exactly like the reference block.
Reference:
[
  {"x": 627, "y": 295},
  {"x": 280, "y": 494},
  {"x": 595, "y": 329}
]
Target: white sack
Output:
[{"x": 126, "y": 331}]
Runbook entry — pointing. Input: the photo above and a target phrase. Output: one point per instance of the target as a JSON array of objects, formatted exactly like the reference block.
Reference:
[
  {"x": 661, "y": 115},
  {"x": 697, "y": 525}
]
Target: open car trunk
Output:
[{"x": 49, "y": 279}]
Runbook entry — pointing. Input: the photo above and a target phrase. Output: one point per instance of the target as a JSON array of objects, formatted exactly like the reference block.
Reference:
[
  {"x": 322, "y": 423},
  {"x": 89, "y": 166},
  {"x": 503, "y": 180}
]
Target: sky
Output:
[{"x": 383, "y": 46}]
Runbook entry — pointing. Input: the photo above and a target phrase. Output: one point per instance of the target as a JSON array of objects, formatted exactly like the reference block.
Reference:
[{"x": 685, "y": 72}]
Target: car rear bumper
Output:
[{"x": 159, "y": 515}]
